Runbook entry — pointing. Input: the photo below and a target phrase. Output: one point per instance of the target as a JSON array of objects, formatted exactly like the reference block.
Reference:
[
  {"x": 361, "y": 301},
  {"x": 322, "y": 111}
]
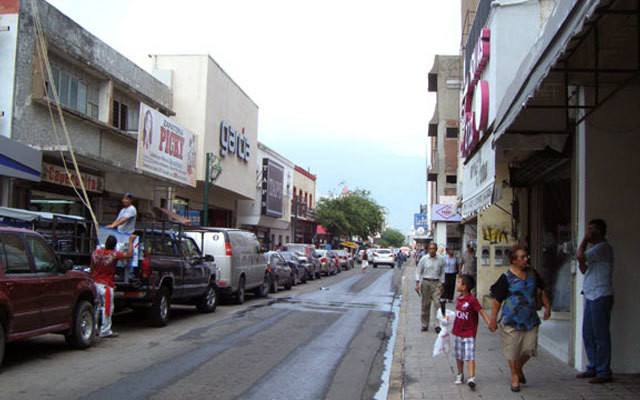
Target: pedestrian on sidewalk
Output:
[
  {"x": 126, "y": 220},
  {"x": 103, "y": 268},
  {"x": 365, "y": 261},
  {"x": 429, "y": 282},
  {"x": 399, "y": 259},
  {"x": 465, "y": 328},
  {"x": 597, "y": 265},
  {"x": 519, "y": 288},
  {"x": 450, "y": 272}
]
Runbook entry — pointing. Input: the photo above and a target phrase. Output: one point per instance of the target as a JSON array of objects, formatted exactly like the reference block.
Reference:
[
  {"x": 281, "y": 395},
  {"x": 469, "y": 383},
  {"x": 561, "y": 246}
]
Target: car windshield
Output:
[
  {"x": 383, "y": 251},
  {"x": 189, "y": 248},
  {"x": 297, "y": 248}
]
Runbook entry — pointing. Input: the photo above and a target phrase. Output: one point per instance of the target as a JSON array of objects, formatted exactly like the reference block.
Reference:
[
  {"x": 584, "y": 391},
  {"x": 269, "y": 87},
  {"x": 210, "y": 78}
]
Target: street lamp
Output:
[
  {"x": 213, "y": 169},
  {"x": 295, "y": 218}
]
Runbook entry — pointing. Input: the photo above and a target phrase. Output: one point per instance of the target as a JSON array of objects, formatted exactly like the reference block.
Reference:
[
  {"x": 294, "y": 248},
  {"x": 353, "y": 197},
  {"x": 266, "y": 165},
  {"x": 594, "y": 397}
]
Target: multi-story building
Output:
[
  {"x": 303, "y": 206},
  {"x": 209, "y": 102},
  {"x": 551, "y": 149},
  {"x": 100, "y": 94},
  {"x": 269, "y": 214},
  {"x": 442, "y": 178}
]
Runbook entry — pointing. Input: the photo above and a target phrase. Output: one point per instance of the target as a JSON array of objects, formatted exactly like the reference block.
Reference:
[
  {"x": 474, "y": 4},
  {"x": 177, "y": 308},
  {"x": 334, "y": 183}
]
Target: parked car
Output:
[
  {"x": 327, "y": 262},
  {"x": 336, "y": 260},
  {"x": 309, "y": 252},
  {"x": 172, "y": 271},
  {"x": 308, "y": 266},
  {"x": 280, "y": 274},
  {"x": 383, "y": 256},
  {"x": 239, "y": 258},
  {"x": 345, "y": 261},
  {"x": 300, "y": 271},
  {"x": 40, "y": 294}
]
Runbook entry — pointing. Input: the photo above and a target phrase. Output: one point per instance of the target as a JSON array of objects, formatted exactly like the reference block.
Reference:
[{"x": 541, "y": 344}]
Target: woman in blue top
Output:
[{"x": 518, "y": 288}]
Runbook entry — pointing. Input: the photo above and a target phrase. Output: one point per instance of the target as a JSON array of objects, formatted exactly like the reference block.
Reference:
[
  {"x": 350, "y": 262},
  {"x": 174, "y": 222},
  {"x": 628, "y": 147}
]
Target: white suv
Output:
[{"x": 383, "y": 256}]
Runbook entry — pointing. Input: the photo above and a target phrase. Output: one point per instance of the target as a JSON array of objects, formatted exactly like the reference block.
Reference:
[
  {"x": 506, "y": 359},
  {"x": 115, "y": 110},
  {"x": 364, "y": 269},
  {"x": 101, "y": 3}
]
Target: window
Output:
[
  {"x": 71, "y": 91},
  {"x": 452, "y": 133},
  {"x": 120, "y": 115},
  {"x": 189, "y": 248},
  {"x": 43, "y": 259},
  {"x": 159, "y": 245},
  {"x": 452, "y": 179},
  {"x": 16, "y": 254}
]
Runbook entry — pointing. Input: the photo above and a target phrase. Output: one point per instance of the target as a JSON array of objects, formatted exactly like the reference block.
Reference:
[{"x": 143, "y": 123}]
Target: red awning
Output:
[{"x": 321, "y": 231}]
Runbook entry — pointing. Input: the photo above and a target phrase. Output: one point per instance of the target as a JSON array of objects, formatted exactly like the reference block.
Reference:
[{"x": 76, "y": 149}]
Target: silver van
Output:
[{"x": 240, "y": 260}]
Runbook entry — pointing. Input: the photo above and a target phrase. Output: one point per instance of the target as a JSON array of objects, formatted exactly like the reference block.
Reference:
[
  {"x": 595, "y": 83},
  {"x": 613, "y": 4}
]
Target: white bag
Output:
[{"x": 443, "y": 341}]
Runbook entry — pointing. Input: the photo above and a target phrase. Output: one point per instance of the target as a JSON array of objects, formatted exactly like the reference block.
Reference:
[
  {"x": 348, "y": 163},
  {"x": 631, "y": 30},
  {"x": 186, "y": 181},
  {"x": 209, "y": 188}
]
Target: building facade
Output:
[{"x": 303, "y": 206}]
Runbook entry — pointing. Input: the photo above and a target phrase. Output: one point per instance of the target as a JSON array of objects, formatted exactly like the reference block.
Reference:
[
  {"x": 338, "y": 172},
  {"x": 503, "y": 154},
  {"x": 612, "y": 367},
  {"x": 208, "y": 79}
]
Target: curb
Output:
[{"x": 396, "y": 376}]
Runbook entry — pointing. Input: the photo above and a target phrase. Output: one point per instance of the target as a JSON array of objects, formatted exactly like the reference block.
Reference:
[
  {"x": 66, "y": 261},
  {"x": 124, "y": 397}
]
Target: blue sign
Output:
[{"x": 420, "y": 221}]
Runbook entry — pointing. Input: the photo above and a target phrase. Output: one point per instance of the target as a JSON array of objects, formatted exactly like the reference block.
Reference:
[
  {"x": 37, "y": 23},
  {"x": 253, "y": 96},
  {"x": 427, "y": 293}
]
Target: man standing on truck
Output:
[
  {"x": 103, "y": 268},
  {"x": 126, "y": 221}
]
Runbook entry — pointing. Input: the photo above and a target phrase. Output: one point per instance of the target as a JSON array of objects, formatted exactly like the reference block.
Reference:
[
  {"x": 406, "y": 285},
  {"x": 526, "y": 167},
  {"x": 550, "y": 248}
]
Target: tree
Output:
[
  {"x": 353, "y": 213},
  {"x": 392, "y": 238}
]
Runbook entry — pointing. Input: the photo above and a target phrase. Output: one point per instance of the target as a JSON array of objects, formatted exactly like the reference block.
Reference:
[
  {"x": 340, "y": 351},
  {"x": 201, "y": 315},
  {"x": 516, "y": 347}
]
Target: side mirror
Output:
[
  {"x": 67, "y": 265},
  {"x": 209, "y": 258}
]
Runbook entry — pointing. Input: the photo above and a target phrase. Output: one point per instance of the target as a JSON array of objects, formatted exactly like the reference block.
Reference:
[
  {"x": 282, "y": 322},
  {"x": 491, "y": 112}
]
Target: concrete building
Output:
[
  {"x": 100, "y": 92},
  {"x": 442, "y": 172},
  {"x": 555, "y": 151},
  {"x": 209, "y": 102},
  {"x": 303, "y": 206},
  {"x": 268, "y": 215}
]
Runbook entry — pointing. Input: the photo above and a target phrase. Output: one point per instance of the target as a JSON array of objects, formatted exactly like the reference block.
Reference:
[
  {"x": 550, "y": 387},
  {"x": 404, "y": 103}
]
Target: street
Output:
[{"x": 325, "y": 339}]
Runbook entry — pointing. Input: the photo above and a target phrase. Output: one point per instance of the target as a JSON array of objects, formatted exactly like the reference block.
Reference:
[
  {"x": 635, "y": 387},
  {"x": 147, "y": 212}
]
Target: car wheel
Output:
[
  {"x": 289, "y": 284},
  {"x": 311, "y": 275},
  {"x": 375, "y": 265},
  {"x": 159, "y": 313},
  {"x": 263, "y": 290},
  {"x": 274, "y": 285},
  {"x": 239, "y": 297},
  {"x": 209, "y": 301},
  {"x": 304, "y": 277},
  {"x": 82, "y": 331}
]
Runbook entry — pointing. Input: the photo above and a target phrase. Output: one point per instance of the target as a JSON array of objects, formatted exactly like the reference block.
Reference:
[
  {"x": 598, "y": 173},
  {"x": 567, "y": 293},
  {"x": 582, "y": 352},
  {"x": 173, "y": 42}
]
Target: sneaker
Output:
[
  {"x": 586, "y": 374},
  {"x": 472, "y": 383},
  {"x": 459, "y": 379}
]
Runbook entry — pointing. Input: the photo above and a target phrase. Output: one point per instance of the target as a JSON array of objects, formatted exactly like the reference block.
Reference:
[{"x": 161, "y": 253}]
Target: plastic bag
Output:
[{"x": 443, "y": 341}]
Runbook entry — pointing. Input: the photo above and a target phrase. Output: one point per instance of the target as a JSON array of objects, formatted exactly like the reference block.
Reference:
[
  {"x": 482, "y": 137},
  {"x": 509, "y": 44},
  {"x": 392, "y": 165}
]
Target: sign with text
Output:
[
  {"x": 272, "y": 185},
  {"x": 479, "y": 177},
  {"x": 56, "y": 174},
  {"x": 165, "y": 148},
  {"x": 444, "y": 213},
  {"x": 421, "y": 224}
]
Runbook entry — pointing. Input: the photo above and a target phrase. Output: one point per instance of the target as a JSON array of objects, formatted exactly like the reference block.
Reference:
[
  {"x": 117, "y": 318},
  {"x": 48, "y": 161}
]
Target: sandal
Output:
[
  {"x": 522, "y": 379},
  {"x": 515, "y": 389}
]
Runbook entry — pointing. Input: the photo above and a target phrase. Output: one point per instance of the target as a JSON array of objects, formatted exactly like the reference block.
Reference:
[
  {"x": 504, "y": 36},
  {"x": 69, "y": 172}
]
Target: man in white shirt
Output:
[
  {"x": 126, "y": 221},
  {"x": 429, "y": 282}
]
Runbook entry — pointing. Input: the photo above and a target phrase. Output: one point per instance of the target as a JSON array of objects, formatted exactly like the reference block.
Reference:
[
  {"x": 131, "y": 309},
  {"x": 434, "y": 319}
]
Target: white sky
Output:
[{"x": 351, "y": 72}]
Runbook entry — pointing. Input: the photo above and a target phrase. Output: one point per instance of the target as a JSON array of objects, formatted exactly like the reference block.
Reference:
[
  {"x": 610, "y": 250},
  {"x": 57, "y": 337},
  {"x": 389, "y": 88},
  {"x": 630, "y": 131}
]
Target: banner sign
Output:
[
  {"x": 421, "y": 224},
  {"x": 165, "y": 148},
  {"x": 55, "y": 174},
  {"x": 272, "y": 185},
  {"x": 444, "y": 213},
  {"x": 479, "y": 177}
]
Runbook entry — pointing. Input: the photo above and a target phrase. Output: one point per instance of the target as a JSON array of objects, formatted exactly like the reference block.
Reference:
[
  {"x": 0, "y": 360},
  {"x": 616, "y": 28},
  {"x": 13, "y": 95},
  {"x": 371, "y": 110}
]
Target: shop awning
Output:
[
  {"x": 563, "y": 25},
  {"x": 349, "y": 244},
  {"x": 321, "y": 231},
  {"x": 19, "y": 161}
]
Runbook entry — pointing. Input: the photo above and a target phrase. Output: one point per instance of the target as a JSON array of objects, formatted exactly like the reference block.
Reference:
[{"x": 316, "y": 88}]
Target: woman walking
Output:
[
  {"x": 519, "y": 288},
  {"x": 365, "y": 260}
]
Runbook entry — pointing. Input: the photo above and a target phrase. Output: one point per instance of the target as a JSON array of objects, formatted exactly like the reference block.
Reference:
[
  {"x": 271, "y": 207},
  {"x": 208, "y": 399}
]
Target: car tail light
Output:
[
  {"x": 145, "y": 268},
  {"x": 323, "y": 260},
  {"x": 268, "y": 267},
  {"x": 227, "y": 247}
]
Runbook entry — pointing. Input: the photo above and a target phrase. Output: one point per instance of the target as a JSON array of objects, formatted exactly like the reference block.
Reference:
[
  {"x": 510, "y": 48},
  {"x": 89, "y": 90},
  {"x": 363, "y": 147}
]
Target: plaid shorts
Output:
[{"x": 464, "y": 348}]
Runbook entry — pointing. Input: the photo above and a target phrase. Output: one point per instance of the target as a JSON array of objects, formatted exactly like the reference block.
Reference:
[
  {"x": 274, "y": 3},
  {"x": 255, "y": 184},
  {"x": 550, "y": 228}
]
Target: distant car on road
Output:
[
  {"x": 328, "y": 262},
  {"x": 383, "y": 257},
  {"x": 39, "y": 294},
  {"x": 280, "y": 274},
  {"x": 345, "y": 261},
  {"x": 309, "y": 252},
  {"x": 296, "y": 265}
]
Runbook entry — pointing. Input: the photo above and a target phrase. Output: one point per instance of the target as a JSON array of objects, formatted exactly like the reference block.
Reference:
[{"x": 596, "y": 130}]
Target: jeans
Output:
[{"x": 596, "y": 335}]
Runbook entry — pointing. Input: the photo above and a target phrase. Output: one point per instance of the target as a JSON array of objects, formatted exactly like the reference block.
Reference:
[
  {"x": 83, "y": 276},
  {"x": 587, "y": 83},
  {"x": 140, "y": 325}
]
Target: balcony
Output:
[
  {"x": 434, "y": 166},
  {"x": 304, "y": 212}
]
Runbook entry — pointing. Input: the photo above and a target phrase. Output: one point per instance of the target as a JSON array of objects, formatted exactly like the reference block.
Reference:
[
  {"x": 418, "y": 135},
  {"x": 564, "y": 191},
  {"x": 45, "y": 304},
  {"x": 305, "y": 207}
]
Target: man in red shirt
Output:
[
  {"x": 464, "y": 329},
  {"x": 103, "y": 268}
]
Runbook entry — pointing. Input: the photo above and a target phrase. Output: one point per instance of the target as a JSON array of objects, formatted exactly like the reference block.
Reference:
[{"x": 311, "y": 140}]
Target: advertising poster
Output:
[
  {"x": 272, "y": 186},
  {"x": 165, "y": 148}
]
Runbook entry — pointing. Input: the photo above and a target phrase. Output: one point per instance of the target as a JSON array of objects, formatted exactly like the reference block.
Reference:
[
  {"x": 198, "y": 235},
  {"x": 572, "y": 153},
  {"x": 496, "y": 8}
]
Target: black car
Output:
[
  {"x": 280, "y": 274},
  {"x": 296, "y": 265}
]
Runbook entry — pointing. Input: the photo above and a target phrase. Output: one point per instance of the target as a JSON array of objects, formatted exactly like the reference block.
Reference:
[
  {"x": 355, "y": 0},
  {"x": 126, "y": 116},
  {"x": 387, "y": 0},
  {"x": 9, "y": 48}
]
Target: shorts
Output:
[
  {"x": 516, "y": 344},
  {"x": 464, "y": 348}
]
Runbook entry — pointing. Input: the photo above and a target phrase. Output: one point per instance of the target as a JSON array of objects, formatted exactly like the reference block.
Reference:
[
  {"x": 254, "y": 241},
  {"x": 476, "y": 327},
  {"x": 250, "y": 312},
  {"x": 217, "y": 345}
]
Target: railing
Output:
[
  {"x": 482, "y": 14},
  {"x": 303, "y": 212}
]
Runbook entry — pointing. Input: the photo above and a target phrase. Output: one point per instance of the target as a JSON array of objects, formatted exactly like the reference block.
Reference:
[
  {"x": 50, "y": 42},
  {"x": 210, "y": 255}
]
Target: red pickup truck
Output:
[{"x": 39, "y": 294}]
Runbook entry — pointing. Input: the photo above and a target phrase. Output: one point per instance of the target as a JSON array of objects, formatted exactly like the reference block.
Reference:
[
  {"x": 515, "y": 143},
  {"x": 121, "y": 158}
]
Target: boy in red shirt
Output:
[{"x": 464, "y": 330}]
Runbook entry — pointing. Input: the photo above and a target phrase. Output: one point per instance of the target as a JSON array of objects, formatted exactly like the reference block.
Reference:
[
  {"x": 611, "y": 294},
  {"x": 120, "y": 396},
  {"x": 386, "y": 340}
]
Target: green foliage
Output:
[
  {"x": 354, "y": 213},
  {"x": 392, "y": 238}
]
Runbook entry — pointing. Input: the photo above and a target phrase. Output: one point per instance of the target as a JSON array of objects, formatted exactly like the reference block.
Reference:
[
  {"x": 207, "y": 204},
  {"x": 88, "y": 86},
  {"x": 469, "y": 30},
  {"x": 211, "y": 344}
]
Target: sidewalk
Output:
[{"x": 416, "y": 374}]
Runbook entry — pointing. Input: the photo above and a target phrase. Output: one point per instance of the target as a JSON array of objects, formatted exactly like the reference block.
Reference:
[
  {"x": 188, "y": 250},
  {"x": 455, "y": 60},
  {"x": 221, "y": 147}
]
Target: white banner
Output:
[
  {"x": 165, "y": 148},
  {"x": 479, "y": 178}
]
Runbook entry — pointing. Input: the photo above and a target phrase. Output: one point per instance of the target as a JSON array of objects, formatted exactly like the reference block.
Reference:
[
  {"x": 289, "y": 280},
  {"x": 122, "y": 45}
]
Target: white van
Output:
[{"x": 239, "y": 258}]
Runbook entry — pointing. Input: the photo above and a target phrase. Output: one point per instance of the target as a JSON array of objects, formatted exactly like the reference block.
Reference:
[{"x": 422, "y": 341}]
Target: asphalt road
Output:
[{"x": 326, "y": 339}]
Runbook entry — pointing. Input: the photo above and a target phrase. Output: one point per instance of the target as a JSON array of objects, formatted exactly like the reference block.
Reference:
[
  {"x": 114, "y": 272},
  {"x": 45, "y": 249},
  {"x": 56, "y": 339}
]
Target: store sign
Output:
[
  {"x": 475, "y": 100},
  {"x": 55, "y": 174},
  {"x": 444, "y": 213},
  {"x": 421, "y": 224},
  {"x": 165, "y": 148},
  {"x": 235, "y": 143},
  {"x": 272, "y": 185},
  {"x": 479, "y": 178}
]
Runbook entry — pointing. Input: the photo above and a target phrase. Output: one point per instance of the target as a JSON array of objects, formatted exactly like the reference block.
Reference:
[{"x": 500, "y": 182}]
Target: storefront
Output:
[{"x": 17, "y": 162}]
